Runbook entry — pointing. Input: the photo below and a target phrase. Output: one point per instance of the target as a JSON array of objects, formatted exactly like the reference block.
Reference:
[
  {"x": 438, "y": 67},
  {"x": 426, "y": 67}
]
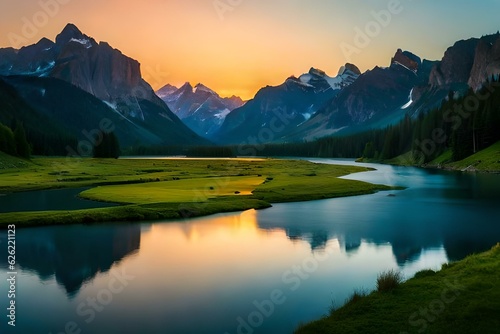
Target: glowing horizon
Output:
[{"x": 238, "y": 49}]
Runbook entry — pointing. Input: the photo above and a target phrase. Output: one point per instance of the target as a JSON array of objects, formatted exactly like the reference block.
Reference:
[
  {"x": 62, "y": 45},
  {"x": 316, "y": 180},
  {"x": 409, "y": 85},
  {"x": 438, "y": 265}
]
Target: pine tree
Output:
[
  {"x": 369, "y": 151},
  {"x": 108, "y": 147},
  {"x": 7, "y": 141},
  {"x": 23, "y": 149}
]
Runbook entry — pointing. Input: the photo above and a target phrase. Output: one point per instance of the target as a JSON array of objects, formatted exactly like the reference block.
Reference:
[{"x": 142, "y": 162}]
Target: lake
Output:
[
  {"x": 248, "y": 272},
  {"x": 47, "y": 200}
]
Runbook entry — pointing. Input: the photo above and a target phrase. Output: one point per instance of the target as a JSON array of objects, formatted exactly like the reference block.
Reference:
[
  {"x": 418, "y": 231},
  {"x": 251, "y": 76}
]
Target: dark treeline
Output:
[
  {"x": 190, "y": 151},
  {"x": 107, "y": 146},
  {"x": 157, "y": 150},
  {"x": 463, "y": 125},
  {"x": 17, "y": 141},
  {"x": 50, "y": 144},
  {"x": 43, "y": 135},
  {"x": 13, "y": 141}
]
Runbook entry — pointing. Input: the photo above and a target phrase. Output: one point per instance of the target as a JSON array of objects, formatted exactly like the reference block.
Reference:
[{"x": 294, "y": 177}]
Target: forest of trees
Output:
[
  {"x": 13, "y": 141},
  {"x": 464, "y": 125},
  {"x": 107, "y": 147}
]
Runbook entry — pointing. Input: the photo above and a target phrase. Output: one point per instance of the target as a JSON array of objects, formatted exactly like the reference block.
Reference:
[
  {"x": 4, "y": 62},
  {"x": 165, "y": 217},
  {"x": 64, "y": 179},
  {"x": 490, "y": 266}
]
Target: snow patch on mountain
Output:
[
  {"x": 114, "y": 107},
  {"x": 222, "y": 114},
  {"x": 300, "y": 82},
  {"x": 85, "y": 42},
  {"x": 335, "y": 83},
  {"x": 410, "y": 102},
  {"x": 111, "y": 105},
  {"x": 41, "y": 70},
  {"x": 344, "y": 78},
  {"x": 305, "y": 78},
  {"x": 409, "y": 69}
]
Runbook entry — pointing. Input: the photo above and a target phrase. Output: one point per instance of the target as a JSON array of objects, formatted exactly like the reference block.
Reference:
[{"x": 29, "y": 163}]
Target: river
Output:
[{"x": 249, "y": 272}]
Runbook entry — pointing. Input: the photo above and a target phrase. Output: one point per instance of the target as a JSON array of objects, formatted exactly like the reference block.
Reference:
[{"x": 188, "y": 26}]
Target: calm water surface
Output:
[
  {"x": 217, "y": 274},
  {"x": 46, "y": 200}
]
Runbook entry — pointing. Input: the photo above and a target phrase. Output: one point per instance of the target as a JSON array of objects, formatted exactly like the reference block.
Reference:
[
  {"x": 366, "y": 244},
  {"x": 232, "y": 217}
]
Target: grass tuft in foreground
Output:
[
  {"x": 463, "y": 297},
  {"x": 389, "y": 280}
]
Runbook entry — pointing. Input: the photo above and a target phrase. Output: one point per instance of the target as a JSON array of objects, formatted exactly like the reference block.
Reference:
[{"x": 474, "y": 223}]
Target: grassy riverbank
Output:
[
  {"x": 485, "y": 161},
  {"x": 463, "y": 297},
  {"x": 162, "y": 189}
]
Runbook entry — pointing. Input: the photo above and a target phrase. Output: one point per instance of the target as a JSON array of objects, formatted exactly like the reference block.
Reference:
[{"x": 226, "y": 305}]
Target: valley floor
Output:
[
  {"x": 463, "y": 297},
  {"x": 154, "y": 189}
]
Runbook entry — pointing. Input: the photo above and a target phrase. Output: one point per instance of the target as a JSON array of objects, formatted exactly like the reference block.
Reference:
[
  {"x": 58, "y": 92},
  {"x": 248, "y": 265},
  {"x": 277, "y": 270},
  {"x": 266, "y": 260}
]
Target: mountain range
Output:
[
  {"x": 62, "y": 90},
  {"x": 370, "y": 100},
  {"x": 275, "y": 112},
  {"x": 315, "y": 105},
  {"x": 76, "y": 82},
  {"x": 199, "y": 107}
]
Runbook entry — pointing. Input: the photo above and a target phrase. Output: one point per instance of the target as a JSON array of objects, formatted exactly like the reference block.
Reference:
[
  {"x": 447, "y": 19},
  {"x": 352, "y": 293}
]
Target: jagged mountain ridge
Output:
[
  {"x": 374, "y": 96},
  {"x": 312, "y": 105},
  {"x": 280, "y": 109},
  {"x": 107, "y": 74},
  {"x": 199, "y": 107},
  {"x": 375, "y": 99}
]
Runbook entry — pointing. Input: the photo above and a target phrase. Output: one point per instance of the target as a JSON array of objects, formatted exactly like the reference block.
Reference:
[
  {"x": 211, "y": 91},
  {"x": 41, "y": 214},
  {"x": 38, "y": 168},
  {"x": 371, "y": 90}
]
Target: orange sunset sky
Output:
[{"x": 239, "y": 46}]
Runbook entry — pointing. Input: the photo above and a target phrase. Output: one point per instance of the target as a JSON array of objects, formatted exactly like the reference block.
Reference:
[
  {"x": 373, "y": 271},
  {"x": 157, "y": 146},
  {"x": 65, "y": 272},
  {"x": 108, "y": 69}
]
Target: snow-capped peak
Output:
[
  {"x": 305, "y": 78},
  {"x": 347, "y": 75}
]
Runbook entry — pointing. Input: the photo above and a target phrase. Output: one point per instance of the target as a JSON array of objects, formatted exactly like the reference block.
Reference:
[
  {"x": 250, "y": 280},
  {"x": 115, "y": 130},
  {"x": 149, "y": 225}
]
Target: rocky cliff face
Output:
[
  {"x": 166, "y": 91},
  {"x": 468, "y": 62},
  {"x": 350, "y": 67},
  {"x": 374, "y": 96},
  {"x": 406, "y": 59},
  {"x": 456, "y": 65},
  {"x": 486, "y": 62},
  {"x": 105, "y": 73},
  {"x": 96, "y": 68},
  {"x": 276, "y": 111},
  {"x": 99, "y": 69},
  {"x": 34, "y": 59},
  {"x": 233, "y": 102}
]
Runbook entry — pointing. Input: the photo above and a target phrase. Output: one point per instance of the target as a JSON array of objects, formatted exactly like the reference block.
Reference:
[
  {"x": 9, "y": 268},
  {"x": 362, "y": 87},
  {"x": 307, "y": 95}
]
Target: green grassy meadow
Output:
[
  {"x": 174, "y": 188},
  {"x": 463, "y": 297}
]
